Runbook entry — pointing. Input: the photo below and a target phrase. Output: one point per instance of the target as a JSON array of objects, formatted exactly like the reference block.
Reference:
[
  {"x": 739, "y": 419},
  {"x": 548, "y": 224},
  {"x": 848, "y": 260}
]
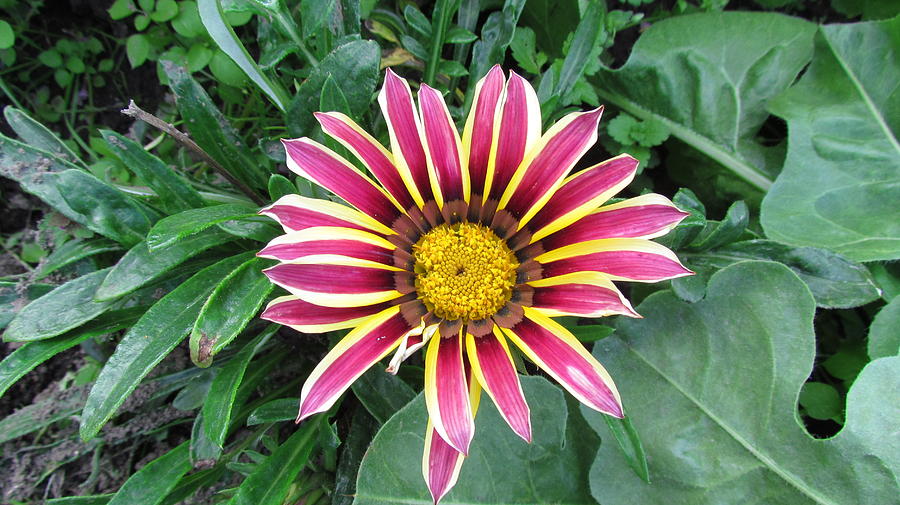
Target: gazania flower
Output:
[{"x": 462, "y": 246}]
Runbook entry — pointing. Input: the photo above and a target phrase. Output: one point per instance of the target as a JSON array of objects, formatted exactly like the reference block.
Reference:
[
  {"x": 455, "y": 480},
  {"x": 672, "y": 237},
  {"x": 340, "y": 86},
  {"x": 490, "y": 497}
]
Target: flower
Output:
[{"x": 462, "y": 246}]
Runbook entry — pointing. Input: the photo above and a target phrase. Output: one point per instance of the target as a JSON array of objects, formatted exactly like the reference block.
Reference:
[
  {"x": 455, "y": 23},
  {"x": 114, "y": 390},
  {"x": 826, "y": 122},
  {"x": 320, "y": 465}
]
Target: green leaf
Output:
[
  {"x": 204, "y": 452},
  {"x": 502, "y": 469},
  {"x": 7, "y": 35},
  {"x": 220, "y": 402},
  {"x": 591, "y": 332},
  {"x": 314, "y": 14},
  {"x": 171, "y": 229},
  {"x": 584, "y": 41},
  {"x": 459, "y": 35},
  {"x": 213, "y": 19},
  {"x": 821, "y": 401},
  {"x": 211, "y": 131},
  {"x": 198, "y": 56},
  {"x": 140, "y": 265},
  {"x": 38, "y": 172},
  {"x": 333, "y": 99},
  {"x": 712, "y": 387},
  {"x": 282, "y": 409},
  {"x": 13, "y": 298},
  {"x": 35, "y": 416},
  {"x": 629, "y": 442},
  {"x": 620, "y": 128},
  {"x": 381, "y": 393},
  {"x": 357, "y": 441},
  {"x": 37, "y": 135},
  {"x": 173, "y": 190},
  {"x": 137, "y": 48},
  {"x": 235, "y": 300},
  {"x": 141, "y": 22},
  {"x": 120, "y": 9},
  {"x": 496, "y": 35},
  {"x": 149, "y": 341},
  {"x": 835, "y": 281},
  {"x": 354, "y": 67},
  {"x": 417, "y": 21},
  {"x": 97, "y": 499},
  {"x": 120, "y": 216},
  {"x": 726, "y": 231},
  {"x": 21, "y": 361},
  {"x": 226, "y": 71},
  {"x": 50, "y": 58},
  {"x": 68, "y": 306},
  {"x": 279, "y": 186},
  {"x": 551, "y": 35},
  {"x": 151, "y": 484},
  {"x": 884, "y": 334},
  {"x": 840, "y": 184},
  {"x": 452, "y": 68},
  {"x": 523, "y": 51},
  {"x": 708, "y": 78},
  {"x": 187, "y": 23},
  {"x": 165, "y": 10},
  {"x": 270, "y": 481}
]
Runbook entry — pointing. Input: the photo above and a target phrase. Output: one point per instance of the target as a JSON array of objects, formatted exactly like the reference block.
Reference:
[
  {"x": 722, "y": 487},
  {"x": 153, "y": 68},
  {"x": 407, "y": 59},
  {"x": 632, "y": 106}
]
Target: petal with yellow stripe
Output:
[
  {"x": 620, "y": 259},
  {"x": 449, "y": 175},
  {"x": 493, "y": 366},
  {"x": 582, "y": 193},
  {"x": 479, "y": 130},
  {"x": 516, "y": 134},
  {"x": 405, "y": 130},
  {"x": 330, "y": 240},
  {"x": 350, "y": 358},
  {"x": 295, "y": 212},
  {"x": 312, "y": 278},
  {"x": 315, "y": 162},
  {"x": 310, "y": 318},
  {"x": 584, "y": 294},
  {"x": 548, "y": 162},
  {"x": 447, "y": 392},
  {"x": 563, "y": 357},
  {"x": 374, "y": 156}
]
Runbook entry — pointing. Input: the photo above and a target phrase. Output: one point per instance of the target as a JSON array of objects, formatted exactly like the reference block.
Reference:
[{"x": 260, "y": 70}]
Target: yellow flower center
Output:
[{"x": 464, "y": 271}]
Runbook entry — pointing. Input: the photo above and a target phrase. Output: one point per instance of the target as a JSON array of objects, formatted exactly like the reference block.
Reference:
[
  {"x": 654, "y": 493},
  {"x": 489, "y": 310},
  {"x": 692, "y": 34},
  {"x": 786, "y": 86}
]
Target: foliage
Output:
[{"x": 138, "y": 253}]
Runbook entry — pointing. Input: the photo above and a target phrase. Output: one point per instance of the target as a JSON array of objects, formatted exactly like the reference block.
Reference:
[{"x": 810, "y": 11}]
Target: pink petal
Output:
[
  {"x": 479, "y": 131},
  {"x": 442, "y": 142},
  {"x": 447, "y": 392},
  {"x": 519, "y": 129},
  {"x": 584, "y": 294},
  {"x": 349, "y": 359},
  {"x": 406, "y": 135},
  {"x": 440, "y": 465},
  {"x": 295, "y": 212},
  {"x": 564, "y": 358},
  {"x": 310, "y": 318},
  {"x": 373, "y": 155},
  {"x": 493, "y": 366},
  {"x": 322, "y": 166},
  {"x": 620, "y": 259},
  {"x": 331, "y": 241},
  {"x": 647, "y": 216},
  {"x": 551, "y": 159},
  {"x": 582, "y": 193}
]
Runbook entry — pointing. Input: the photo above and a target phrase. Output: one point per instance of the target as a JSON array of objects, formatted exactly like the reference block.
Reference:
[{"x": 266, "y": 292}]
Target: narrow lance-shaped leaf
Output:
[
  {"x": 62, "y": 309},
  {"x": 19, "y": 362},
  {"x": 151, "y": 484},
  {"x": 149, "y": 341},
  {"x": 72, "y": 251},
  {"x": 235, "y": 300},
  {"x": 178, "y": 226},
  {"x": 173, "y": 190},
  {"x": 139, "y": 266},
  {"x": 13, "y": 298},
  {"x": 270, "y": 481},
  {"x": 211, "y": 131},
  {"x": 220, "y": 402},
  {"x": 37, "y": 135},
  {"x": 214, "y": 20}
]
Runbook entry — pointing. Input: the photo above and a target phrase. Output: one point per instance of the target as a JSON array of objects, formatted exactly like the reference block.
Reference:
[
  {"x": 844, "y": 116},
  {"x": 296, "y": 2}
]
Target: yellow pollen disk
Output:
[{"x": 464, "y": 271}]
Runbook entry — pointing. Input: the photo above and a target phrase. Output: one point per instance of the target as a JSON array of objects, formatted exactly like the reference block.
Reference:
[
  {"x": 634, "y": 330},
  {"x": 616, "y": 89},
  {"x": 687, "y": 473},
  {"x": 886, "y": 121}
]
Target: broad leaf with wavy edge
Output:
[
  {"x": 708, "y": 77},
  {"x": 840, "y": 187},
  {"x": 712, "y": 388}
]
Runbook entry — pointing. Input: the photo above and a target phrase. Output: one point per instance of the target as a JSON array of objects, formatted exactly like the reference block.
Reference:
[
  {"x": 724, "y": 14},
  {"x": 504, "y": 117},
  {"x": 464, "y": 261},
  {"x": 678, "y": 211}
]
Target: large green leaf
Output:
[
  {"x": 708, "y": 77},
  {"x": 37, "y": 135},
  {"x": 175, "y": 227},
  {"x": 712, "y": 388},
  {"x": 148, "y": 342},
  {"x": 841, "y": 180},
  {"x": 501, "y": 467},
  {"x": 884, "y": 334},
  {"x": 67, "y": 306}
]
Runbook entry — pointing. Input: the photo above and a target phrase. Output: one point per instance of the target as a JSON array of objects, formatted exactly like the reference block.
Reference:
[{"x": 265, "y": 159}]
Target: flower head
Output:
[{"x": 462, "y": 246}]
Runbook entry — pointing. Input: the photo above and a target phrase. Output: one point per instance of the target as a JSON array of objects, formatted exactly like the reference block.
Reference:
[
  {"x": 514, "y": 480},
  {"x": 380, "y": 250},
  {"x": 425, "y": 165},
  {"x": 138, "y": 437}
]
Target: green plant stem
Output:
[{"x": 9, "y": 94}]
